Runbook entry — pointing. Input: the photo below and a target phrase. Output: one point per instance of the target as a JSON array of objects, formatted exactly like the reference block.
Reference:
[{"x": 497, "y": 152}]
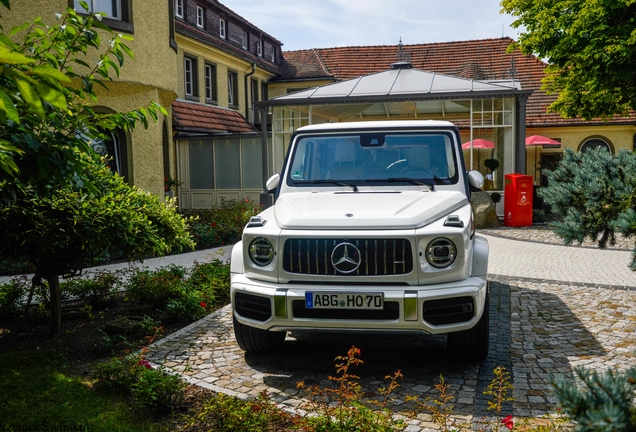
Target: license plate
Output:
[{"x": 338, "y": 300}]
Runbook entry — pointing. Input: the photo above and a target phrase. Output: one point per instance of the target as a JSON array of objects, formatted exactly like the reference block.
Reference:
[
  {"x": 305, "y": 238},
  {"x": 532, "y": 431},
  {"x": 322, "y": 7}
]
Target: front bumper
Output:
[{"x": 438, "y": 308}]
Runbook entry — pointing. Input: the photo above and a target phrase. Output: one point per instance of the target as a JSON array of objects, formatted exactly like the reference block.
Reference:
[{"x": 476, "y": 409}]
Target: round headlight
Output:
[
  {"x": 441, "y": 252},
  {"x": 261, "y": 251}
]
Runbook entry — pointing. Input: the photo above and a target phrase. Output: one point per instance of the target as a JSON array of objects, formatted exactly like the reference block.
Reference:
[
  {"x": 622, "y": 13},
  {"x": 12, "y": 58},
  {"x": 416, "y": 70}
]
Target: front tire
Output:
[
  {"x": 257, "y": 341},
  {"x": 472, "y": 344}
]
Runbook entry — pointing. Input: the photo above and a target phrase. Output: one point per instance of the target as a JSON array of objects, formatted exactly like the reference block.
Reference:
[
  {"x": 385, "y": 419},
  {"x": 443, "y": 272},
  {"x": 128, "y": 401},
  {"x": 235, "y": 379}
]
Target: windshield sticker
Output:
[{"x": 296, "y": 175}]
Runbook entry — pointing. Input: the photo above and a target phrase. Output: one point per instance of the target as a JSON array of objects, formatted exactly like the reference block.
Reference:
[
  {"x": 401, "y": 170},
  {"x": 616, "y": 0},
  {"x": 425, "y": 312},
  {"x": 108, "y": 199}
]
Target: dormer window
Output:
[
  {"x": 259, "y": 48},
  {"x": 178, "y": 8},
  {"x": 200, "y": 17},
  {"x": 246, "y": 40},
  {"x": 223, "y": 28},
  {"x": 273, "y": 58}
]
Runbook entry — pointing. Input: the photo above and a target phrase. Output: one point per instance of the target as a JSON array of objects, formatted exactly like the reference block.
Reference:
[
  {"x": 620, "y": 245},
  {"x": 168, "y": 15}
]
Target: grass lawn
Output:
[{"x": 37, "y": 390}]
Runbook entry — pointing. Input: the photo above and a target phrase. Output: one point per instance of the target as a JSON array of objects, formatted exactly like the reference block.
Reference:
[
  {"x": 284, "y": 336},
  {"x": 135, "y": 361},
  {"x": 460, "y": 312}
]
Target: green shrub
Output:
[
  {"x": 598, "y": 401},
  {"x": 149, "y": 325},
  {"x": 152, "y": 389},
  {"x": 186, "y": 307},
  {"x": 118, "y": 374},
  {"x": 213, "y": 281},
  {"x": 230, "y": 414},
  {"x": 13, "y": 294},
  {"x": 98, "y": 290},
  {"x": 177, "y": 295},
  {"x": 10, "y": 267},
  {"x": 222, "y": 225},
  {"x": 538, "y": 216},
  {"x": 156, "y": 287},
  {"x": 155, "y": 389}
]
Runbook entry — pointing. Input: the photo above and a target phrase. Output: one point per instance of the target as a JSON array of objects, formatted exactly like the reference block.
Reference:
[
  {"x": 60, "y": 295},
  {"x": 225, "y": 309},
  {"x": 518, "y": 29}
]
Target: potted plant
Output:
[
  {"x": 492, "y": 165},
  {"x": 169, "y": 185}
]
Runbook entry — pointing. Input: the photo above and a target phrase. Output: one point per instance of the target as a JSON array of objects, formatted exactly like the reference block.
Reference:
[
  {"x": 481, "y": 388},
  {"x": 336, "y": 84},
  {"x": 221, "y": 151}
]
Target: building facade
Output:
[
  {"x": 143, "y": 156},
  {"x": 226, "y": 64},
  {"x": 210, "y": 68}
]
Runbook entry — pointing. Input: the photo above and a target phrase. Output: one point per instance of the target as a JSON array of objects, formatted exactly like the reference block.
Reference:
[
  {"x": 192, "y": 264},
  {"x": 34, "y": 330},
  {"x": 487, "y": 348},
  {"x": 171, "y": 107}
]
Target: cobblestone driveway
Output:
[{"x": 537, "y": 328}]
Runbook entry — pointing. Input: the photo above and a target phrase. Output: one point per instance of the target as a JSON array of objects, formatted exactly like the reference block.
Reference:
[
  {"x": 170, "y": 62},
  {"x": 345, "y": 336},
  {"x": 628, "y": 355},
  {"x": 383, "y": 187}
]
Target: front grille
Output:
[
  {"x": 362, "y": 257},
  {"x": 391, "y": 311},
  {"x": 449, "y": 311},
  {"x": 252, "y": 307}
]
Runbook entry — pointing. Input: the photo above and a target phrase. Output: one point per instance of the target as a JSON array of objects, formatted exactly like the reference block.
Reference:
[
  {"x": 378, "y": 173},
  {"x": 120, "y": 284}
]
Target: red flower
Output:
[
  {"x": 213, "y": 224},
  {"x": 145, "y": 363},
  {"x": 203, "y": 304},
  {"x": 508, "y": 422}
]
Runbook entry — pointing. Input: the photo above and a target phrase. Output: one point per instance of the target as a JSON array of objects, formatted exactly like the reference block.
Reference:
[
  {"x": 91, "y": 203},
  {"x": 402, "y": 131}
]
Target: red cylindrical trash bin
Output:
[{"x": 517, "y": 200}]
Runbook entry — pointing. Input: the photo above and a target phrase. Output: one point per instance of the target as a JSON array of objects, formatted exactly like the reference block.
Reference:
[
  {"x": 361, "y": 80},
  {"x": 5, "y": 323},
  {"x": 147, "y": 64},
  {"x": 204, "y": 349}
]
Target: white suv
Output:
[{"x": 371, "y": 230}]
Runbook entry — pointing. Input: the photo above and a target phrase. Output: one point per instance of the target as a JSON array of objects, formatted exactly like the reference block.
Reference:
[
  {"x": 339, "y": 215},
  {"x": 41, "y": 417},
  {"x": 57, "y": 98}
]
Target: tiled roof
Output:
[
  {"x": 475, "y": 59},
  {"x": 303, "y": 64},
  {"x": 200, "y": 118}
]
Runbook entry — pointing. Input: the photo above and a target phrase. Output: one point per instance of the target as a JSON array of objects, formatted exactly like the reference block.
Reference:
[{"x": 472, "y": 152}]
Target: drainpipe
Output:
[
  {"x": 265, "y": 197},
  {"x": 247, "y": 112}
]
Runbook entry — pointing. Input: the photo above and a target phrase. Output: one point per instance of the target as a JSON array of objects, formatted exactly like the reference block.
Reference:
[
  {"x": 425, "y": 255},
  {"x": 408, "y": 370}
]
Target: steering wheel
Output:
[{"x": 417, "y": 173}]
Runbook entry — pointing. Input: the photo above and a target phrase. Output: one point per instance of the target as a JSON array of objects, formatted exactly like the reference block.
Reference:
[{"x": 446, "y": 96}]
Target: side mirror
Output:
[
  {"x": 475, "y": 179},
  {"x": 272, "y": 182}
]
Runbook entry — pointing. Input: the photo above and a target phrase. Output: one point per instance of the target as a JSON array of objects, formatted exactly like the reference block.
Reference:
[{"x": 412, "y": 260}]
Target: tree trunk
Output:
[
  {"x": 56, "y": 303},
  {"x": 37, "y": 280}
]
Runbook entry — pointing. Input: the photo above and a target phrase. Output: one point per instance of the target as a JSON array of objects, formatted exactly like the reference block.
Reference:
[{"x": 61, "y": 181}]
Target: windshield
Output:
[{"x": 374, "y": 158}]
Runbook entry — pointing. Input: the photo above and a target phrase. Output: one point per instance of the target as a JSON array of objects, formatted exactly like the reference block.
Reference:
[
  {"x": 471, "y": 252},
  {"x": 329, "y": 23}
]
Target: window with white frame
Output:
[
  {"x": 178, "y": 8},
  {"x": 112, "y": 8},
  {"x": 190, "y": 77},
  {"x": 246, "y": 40},
  {"x": 273, "y": 57},
  {"x": 223, "y": 28},
  {"x": 210, "y": 83},
  {"x": 259, "y": 48},
  {"x": 200, "y": 17},
  {"x": 232, "y": 88}
]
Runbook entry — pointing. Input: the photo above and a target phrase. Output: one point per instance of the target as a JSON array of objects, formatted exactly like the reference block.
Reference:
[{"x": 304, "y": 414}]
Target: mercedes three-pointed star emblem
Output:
[{"x": 346, "y": 257}]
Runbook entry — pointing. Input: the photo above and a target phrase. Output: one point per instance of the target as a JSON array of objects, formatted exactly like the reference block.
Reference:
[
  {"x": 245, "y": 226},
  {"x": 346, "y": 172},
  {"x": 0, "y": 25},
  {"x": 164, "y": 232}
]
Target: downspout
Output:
[
  {"x": 265, "y": 197},
  {"x": 247, "y": 112}
]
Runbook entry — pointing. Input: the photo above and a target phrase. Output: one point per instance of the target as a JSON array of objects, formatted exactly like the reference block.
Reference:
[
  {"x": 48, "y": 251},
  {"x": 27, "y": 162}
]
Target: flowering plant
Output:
[
  {"x": 508, "y": 422},
  {"x": 169, "y": 183}
]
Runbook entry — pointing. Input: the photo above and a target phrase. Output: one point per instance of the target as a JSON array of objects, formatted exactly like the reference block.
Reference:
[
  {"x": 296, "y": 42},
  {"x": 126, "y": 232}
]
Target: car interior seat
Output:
[
  {"x": 418, "y": 163},
  {"x": 345, "y": 167}
]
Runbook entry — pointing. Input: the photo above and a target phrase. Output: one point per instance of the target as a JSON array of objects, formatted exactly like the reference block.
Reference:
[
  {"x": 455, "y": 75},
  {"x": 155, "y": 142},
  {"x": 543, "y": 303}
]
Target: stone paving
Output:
[
  {"x": 539, "y": 325},
  {"x": 543, "y": 234}
]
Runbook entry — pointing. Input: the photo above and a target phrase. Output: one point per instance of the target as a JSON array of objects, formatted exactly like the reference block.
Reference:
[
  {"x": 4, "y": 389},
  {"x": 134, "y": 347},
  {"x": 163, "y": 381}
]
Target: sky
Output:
[{"x": 302, "y": 24}]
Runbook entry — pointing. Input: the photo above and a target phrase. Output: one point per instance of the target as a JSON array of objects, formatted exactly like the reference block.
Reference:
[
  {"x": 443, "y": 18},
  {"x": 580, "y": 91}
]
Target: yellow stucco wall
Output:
[
  {"x": 621, "y": 137},
  {"x": 149, "y": 77},
  {"x": 224, "y": 63}
]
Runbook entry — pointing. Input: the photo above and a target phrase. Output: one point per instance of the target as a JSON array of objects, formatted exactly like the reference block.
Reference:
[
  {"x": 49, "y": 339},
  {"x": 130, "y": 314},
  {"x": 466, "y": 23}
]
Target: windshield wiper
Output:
[
  {"x": 328, "y": 181},
  {"x": 402, "y": 180}
]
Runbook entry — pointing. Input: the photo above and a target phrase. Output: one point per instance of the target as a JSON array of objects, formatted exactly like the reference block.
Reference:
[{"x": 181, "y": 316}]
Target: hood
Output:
[{"x": 364, "y": 210}]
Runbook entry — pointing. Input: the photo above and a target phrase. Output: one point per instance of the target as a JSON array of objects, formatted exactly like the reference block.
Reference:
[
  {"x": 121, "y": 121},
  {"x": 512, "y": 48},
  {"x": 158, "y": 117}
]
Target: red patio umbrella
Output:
[
  {"x": 540, "y": 140},
  {"x": 536, "y": 140},
  {"x": 479, "y": 143}
]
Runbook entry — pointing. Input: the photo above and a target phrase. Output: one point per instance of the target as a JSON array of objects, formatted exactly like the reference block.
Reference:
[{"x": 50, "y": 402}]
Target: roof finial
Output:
[{"x": 403, "y": 58}]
